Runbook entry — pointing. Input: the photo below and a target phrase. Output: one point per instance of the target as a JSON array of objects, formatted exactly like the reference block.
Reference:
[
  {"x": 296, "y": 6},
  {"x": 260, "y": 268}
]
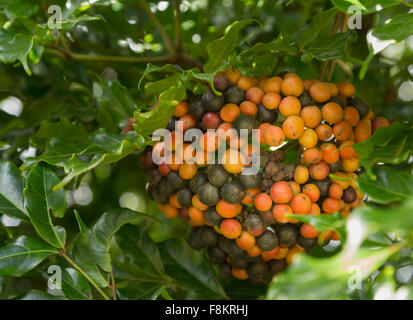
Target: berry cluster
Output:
[{"x": 242, "y": 219}]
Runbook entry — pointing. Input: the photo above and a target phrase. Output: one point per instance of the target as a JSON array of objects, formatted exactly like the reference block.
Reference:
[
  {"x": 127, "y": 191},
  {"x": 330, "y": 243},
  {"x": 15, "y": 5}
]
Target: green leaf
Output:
[
  {"x": 391, "y": 144},
  {"x": 134, "y": 290},
  {"x": 135, "y": 241},
  {"x": 390, "y": 186},
  {"x": 23, "y": 255},
  {"x": 163, "y": 228},
  {"x": 83, "y": 256},
  {"x": 39, "y": 295},
  {"x": 61, "y": 130},
  {"x": 40, "y": 201},
  {"x": 11, "y": 192},
  {"x": 150, "y": 68},
  {"x": 219, "y": 50},
  {"x": 103, "y": 148},
  {"x": 15, "y": 47},
  {"x": 148, "y": 122},
  {"x": 20, "y": 9},
  {"x": 319, "y": 22},
  {"x": 117, "y": 101},
  {"x": 105, "y": 228},
  {"x": 194, "y": 263},
  {"x": 75, "y": 286},
  {"x": 332, "y": 47},
  {"x": 366, "y": 6},
  {"x": 394, "y": 30}
]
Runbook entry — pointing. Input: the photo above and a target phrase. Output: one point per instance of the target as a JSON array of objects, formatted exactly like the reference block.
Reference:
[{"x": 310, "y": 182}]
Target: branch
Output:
[
  {"x": 334, "y": 31},
  {"x": 333, "y": 64},
  {"x": 68, "y": 55},
  {"x": 166, "y": 39},
  {"x": 178, "y": 31}
]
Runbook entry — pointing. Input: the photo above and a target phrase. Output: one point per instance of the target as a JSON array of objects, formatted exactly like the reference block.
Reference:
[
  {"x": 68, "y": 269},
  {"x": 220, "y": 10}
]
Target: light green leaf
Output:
[{"x": 15, "y": 47}]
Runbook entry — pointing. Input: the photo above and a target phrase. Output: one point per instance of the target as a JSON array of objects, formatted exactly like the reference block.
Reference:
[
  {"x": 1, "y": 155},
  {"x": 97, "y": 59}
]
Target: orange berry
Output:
[
  {"x": 346, "y": 89},
  {"x": 320, "y": 92},
  {"x": 293, "y": 127},
  {"x": 198, "y": 204},
  {"x": 181, "y": 109},
  {"x": 301, "y": 204},
  {"x": 255, "y": 95},
  {"x": 312, "y": 155},
  {"x": 346, "y": 150},
  {"x": 248, "y": 107},
  {"x": 233, "y": 161},
  {"x": 308, "y": 231},
  {"x": 268, "y": 255},
  {"x": 308, "y": 139},
  {"x": 240, "y": 274},
  {"x": 319, "y": 171},
  {"x": 335, "y": 191},
  {"x": 263, "y": 202},
  {"x": 230, "y": 228},
  {"x": 273, "y": 85},
  {"x": 332, "y": 112},
  {"x": 290, "y": 106},
  {"x": 169, "y": 211},
  {"x": 343, "y": 130},
  {"x": 244, "y": 83},
  {"x": 245, "y": 241},
  {"x": 324, "y": 132},
  {"x": 228, "y": 210},
  {"x": 312, "y": 191},
  {"x": 196, "y": 215},
  {"x": 280, "y": 211},
  {"x": 233, "y": 75},
  {"x": 271, "y": 100},
  {"x": 229, "y": 112},
  {"x": 281, "y": 192},
  {"x": 330, "y": 152},
  {"x": 311, "y": 116},
  {"x": 331, "y": 205},
  {"x": 292, "y": 86},
  {"x": 273, "y": 136},
  {"x": 351, "y": 115},
  {"x": 301, "y": 174}
]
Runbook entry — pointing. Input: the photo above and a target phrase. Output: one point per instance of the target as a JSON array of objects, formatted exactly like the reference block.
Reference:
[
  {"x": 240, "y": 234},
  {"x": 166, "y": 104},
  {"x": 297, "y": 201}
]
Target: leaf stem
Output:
[
  {"x": 112, "y": 279},
  {"x": 333, "y": 64},
  {"x": 93, "y": 283}
]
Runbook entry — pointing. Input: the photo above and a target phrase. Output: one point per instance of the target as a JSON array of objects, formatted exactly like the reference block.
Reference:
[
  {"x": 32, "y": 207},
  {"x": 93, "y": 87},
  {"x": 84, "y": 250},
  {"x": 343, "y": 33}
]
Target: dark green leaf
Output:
[
  {"x": 11, "y": 192},
  {"x": 319, "y": 22},
  {"x": 387, "y": 145},
  {"x": 23, "y": 255},
  {"x": 20, "y": 9},
  {"x": 40, "y": 201},
  {"x": 75, "y": 286},
  {"x": 390, "y": 186},
  {"x": 105, "y": 228},
  {"x": 194, "y": 263},
  {"x": 219, "y": 50},
  {"x": 332, "y": 47},
  {"x": 61, "y": 130}
]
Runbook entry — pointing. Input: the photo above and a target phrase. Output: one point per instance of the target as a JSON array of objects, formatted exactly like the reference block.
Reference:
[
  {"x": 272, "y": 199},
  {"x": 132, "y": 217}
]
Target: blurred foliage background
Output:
[{"x": 80, "y": 79}]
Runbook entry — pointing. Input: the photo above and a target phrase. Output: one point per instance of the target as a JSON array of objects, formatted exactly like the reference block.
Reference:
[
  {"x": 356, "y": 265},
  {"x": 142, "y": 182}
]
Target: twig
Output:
[
  {"x": 333, "y": 31},
  {"x": 333, "y": 64},
  {"x": 178, "y": 31},
  {"x": 165, "y": 37}
]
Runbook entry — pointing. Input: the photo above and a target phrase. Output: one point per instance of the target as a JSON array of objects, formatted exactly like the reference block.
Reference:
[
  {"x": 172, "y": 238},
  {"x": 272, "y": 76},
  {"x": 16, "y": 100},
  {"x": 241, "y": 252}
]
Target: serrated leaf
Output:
[
  {"x": 194, "y": 263},
  {"x": 75, "y": 286},
  {"x": 150, "y": 68},
  {"x": 11, "y": 192},
  {"x": 390, "y": 186},
  {"x": 22, "y": 255},
  {"x": 40, "y": 201},
  {"x": 103, "y": 231}
]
